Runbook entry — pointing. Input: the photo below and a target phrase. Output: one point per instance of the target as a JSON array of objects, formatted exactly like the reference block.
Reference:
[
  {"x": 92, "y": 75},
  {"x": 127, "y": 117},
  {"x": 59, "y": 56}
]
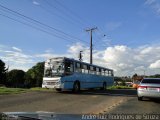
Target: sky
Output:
[{"x": 126, "y": 40}]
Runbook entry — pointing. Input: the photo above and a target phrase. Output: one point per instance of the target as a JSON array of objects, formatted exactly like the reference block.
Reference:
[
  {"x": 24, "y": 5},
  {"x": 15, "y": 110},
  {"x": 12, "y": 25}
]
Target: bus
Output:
[{"x": 63, "y": 73}]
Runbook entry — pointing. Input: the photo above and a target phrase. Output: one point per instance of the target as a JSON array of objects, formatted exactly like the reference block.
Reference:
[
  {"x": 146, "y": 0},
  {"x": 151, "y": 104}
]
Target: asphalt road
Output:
[
  {"x": 86, "y": 102},
  {"x": 133, "y": 106}
]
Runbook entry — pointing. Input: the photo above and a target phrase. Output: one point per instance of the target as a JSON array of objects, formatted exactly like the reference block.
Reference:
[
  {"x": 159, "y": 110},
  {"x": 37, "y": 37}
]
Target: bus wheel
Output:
[
  {"x": 76, "y": 87},
  {"x": 58, "y": 89},
  {"x": 104, "y": 86}
]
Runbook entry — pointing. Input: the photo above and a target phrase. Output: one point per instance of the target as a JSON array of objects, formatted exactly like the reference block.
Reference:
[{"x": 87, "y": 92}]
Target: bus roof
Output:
[{"x": 71, "y": 59}]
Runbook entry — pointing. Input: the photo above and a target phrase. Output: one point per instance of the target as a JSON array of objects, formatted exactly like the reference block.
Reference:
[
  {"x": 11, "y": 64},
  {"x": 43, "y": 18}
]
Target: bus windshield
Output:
[{"x": 54, "y": 68}]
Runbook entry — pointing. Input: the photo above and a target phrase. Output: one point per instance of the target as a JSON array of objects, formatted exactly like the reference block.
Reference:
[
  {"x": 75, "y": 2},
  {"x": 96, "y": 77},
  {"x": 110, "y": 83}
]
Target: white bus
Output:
[{"x": 64, "y": 73}]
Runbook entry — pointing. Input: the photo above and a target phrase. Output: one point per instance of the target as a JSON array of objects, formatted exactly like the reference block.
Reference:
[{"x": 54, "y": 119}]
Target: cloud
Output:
[
  {"x": 35, "y": 2},
  {"x": 15, "y": 58},
  {"x": 149, "y": 2},
  {"x": 113, "y": 25},
  {"x": 155, "y": 65},
  {"x": 154, "y": 5},
  {"x": 17, "y": 49},
  {"x": 46, "y": 55},
  {"x": 122, "y": 59},
  {"x": 49, "y": 50},
  {"x": 125, "y": 60},
  {"x": 74, "y": 50}
]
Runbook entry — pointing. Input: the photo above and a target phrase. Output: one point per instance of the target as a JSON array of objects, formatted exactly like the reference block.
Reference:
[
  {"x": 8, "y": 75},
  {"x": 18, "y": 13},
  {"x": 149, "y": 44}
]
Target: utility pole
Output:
[
  {"x": 91, "y": 45},
  {"x": 80, "y": 56},
  {"x": 144, "y": 73}
]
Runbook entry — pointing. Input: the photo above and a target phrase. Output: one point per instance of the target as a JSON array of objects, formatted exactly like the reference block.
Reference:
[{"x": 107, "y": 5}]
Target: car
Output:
[{"x": 149, "y": 88}]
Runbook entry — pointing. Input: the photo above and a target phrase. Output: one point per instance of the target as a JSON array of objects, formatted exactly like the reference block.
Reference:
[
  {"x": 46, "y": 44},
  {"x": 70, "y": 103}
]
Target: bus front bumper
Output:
[{"x": 52, "y": 86}]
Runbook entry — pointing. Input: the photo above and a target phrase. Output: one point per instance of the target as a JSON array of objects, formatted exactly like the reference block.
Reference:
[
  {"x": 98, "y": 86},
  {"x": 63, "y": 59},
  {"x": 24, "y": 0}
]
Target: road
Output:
[
  {"x": 133, "y": 106},
  {"x": 86, "y": 102}
]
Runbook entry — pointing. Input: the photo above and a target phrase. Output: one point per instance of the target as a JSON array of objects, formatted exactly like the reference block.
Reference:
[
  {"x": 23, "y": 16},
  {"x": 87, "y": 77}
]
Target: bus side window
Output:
[
  {"x": 68, "y": 67},
  {"x": 78, "y": 67},
  {"x": 92, "y": 70},
  {"x": 112, "y": 73},
  {"x": 102, "y": 71},
  {"x": 98, "y": 71},
  {"x": 84, "y": 69},
  {"x": 106, "y": 73}
]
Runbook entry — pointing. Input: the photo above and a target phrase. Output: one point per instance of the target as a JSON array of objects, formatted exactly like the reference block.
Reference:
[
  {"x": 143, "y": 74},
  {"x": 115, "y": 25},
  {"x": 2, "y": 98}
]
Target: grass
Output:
[
  {"x": 119, "y": 87},
  {"x": 6, "y": 91},
  {"x": 40, "y": 89}
]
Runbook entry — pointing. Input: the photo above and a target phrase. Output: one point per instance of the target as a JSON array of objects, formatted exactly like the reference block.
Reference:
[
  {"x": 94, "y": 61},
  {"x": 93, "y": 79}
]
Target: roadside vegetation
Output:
[
  {"x": 40, "y": 89},
  {"x": 20, "y": 79},
  {"x": 119, "y": 87},
  {"x": 6, "y": 91}
]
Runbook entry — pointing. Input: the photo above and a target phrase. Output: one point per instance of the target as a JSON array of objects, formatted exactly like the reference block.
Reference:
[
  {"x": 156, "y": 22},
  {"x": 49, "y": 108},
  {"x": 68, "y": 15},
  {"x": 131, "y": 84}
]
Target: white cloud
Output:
[
  {"x": 154, "y": 5},
  {"x": 49, "y": 50},
  {"x": 17, "y": 49},
  {"x": 149, "y": 2},
  {"x": 73, "y": 51},
  {"x": 76, "y": 48},
  {"x": 45, "y": 56},
  {"x": 147, "y": 50},
  {"x": 35, "y": 2},
  {"x": 122, "y": 59},
  {"x": 155, "y": 65},
  {"x": 15, "y": 58}
]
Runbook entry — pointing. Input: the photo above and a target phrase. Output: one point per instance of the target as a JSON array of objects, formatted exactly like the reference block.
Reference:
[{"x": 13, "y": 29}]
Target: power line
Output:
[
  {"x": 51, "y": 12},
  {"x": 73, "y": 13},
  {"x": 63, "y": 20},
  {"x": 37, "y": 28},
  {"x": 80, "y": 18},
  {"x": 34, "y": 27},
  {"x": 76, "y": 15},
  {"x": 60, "y": 10},
  {"x": 57, "y": 15},
  {"x": 43, "y": 24}
]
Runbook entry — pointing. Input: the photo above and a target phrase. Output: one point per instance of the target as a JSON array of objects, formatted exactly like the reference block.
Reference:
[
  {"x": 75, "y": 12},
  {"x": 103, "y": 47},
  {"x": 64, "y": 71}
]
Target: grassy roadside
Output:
[
  {"x": 40, "y": 89},
  {"x": 6, "y": 91},
  {"x": 119, "y": 87}
]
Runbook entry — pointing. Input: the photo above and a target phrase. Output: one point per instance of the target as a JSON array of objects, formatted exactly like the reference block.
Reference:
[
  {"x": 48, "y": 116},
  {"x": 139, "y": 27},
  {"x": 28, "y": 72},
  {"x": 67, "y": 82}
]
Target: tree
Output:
[
  {"x": 135, "y": 75},
  {"x": 16, "y": 78},
  {"x": 3, "y": 71},
  {"x": 34, "y": 76},
  {"x": 30, "y": 79}
]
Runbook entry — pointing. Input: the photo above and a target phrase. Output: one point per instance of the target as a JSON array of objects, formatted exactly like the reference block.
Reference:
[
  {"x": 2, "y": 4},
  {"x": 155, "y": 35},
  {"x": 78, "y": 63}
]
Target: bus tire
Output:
[
  {"x": 76, "y": 87},
  {"x": 104, "y": 87},
  {"x": 58, "y": 89}
]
